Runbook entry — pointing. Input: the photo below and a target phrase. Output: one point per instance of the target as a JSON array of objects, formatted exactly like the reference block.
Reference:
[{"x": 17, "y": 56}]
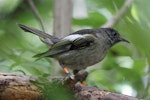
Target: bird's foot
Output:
[
  {"x": 69, "y": 76},
  {"x": 81, "y": 77},
  {"x": 69, "y": 80},
  {"x": 83, "y": 83},
  {"x": 77, "y": 77}
]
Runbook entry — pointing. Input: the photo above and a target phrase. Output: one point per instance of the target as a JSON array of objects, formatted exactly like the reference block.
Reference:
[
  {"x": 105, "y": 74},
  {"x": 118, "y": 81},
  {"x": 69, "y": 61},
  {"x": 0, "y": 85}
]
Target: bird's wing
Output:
[
  {"x": 49, "y": 39},
  {"x": 83, "y": 42},
  {"x": 71, "y": 42}
]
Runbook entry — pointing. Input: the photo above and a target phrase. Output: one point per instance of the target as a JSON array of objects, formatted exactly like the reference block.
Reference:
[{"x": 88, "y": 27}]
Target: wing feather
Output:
[{"x": 69, "y": 43}]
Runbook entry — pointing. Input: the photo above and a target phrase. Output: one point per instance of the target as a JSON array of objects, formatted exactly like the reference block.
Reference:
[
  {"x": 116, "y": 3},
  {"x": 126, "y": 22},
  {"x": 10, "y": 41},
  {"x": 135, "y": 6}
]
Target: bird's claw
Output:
[{"x": 69, "y": 76}]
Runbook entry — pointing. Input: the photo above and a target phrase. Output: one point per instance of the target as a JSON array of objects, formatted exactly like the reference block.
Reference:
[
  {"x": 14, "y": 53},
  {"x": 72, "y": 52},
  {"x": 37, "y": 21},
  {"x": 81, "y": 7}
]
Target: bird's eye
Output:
[{"x": 114, "y": 33}]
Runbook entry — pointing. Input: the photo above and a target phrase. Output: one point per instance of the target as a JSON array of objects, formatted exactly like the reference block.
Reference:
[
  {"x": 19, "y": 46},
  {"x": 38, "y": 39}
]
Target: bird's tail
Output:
[
  {"x": 40, "y": 55},
  {"x": 46, "y": 38}
]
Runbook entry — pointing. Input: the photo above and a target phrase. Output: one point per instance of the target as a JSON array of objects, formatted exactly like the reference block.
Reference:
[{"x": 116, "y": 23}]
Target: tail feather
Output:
[
  {"x": 39, "y": 33},
  {"x": 39, "y": 56}
]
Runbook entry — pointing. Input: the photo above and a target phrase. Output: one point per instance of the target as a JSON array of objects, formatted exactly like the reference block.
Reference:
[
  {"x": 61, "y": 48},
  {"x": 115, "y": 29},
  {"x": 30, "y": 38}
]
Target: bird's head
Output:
[{"x": 113, "y": 36}]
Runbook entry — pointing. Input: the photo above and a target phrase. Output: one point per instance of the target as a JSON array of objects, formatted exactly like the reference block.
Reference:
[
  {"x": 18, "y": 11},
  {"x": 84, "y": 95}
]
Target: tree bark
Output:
[
  {"x": 19, "y": 87},
  {"x": 91, "y": 93}
]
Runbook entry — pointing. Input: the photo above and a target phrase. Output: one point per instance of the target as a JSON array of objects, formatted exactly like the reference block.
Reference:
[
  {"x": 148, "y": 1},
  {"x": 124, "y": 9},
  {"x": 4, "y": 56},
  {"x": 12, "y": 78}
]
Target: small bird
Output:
[{"x": 80, "y": 49}]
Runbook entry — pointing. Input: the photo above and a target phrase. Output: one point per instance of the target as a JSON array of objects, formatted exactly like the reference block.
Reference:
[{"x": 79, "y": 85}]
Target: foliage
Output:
[
  {"x": 126, "y": 66},
  {"x": 53, "y": 90}
]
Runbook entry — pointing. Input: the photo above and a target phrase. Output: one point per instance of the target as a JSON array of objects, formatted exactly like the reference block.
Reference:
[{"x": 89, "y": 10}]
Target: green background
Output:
[{"x": 125, "y": 69}]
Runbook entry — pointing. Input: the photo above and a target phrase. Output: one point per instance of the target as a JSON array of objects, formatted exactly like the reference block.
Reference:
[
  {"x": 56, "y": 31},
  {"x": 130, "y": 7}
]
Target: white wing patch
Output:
[{"x": 73, "y": 37}]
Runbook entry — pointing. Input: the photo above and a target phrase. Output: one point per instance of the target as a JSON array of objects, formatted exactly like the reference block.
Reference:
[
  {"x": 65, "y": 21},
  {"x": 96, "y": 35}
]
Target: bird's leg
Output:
[
  {"x": 66, "y": 70},
  {"x": 80, "y": 76},
  {"x": 75, "y": 72},
  {"x": 83, "y": 83},
  {"x": 68, "y": 73}
]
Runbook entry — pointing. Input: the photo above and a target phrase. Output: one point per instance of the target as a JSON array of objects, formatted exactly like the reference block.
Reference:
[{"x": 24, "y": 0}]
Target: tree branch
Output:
[
  {"x": 92, "y": 93},
  {"x": 19, "y": 87},
  {"x": 112, "y": 22}
]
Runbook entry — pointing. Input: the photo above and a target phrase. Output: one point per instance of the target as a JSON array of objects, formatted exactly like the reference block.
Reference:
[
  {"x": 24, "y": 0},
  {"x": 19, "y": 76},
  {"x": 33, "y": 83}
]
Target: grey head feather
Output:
[{"x": 113, "y": 36}]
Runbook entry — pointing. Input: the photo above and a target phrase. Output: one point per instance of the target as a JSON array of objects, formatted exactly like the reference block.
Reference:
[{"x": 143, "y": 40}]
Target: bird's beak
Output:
[{"x": 124, "y": 40}]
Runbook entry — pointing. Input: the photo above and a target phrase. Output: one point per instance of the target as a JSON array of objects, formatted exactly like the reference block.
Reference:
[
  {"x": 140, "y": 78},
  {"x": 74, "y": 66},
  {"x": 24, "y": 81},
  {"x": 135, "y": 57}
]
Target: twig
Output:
[
  {"x": 36, "y": 13},
  {"x": 119, "y": 14}
]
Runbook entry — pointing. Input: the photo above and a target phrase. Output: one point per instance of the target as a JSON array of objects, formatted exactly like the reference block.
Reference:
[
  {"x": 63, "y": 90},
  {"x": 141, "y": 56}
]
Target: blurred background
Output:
[{"x": 125, "y": 69}]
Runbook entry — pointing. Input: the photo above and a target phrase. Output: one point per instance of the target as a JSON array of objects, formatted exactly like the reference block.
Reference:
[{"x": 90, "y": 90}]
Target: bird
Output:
[{"x": 80, "y": 49}]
